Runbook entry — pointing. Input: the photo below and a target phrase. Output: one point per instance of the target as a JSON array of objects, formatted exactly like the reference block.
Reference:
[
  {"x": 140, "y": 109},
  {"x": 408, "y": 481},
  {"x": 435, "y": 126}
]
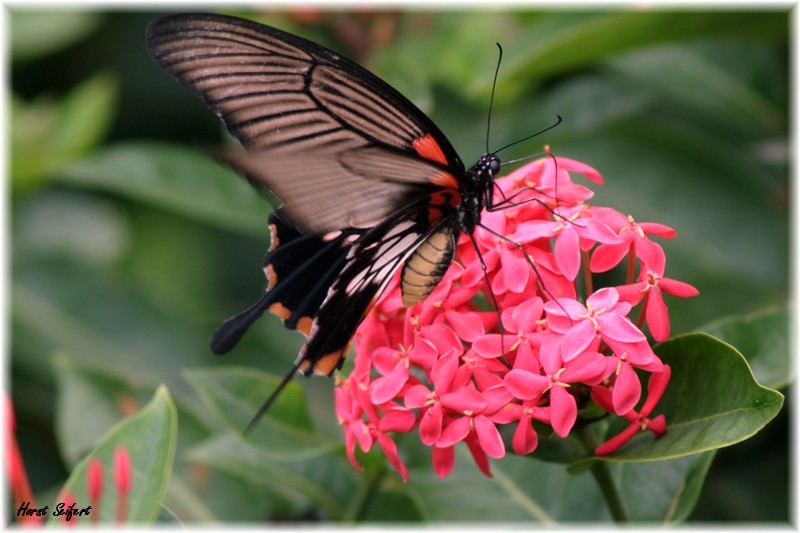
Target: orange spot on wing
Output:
[
  {"x": 427, "y": 147},
  {"x": 304, "y": 325},
  {"x": 280, "y": 310},
  {"x": 272, "y": 277},
  {"x": 329, "y": 362}
]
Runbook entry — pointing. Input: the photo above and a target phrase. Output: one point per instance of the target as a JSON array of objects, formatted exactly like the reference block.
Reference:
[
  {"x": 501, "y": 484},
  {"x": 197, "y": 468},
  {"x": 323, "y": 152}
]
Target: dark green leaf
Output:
[
  {"x": 176, "y": 178},
  {"x": 566, "y": 41},
  {"x": 234, "y": 395},
  {"x": 763, "y": 338},
  {"x": 712, "y": 401},
  {"x": 314, "y": 476},
  {"x": 677, "y": 71},
  {"x": 520, "y": 490},
  {"x": 662, "y": 491}
]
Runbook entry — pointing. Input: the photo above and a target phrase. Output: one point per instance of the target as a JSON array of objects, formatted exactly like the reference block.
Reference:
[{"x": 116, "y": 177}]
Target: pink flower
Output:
[
  {"x": 525, "y": 438},
  {"x": 572, "y": 230},
  {"x": 123, "y": 479},
  {"x": 639, "y": 421},
  {"x": 649, "y": 288},
  {"x": 633, "y": 238},
  {"x": 446, "y": 368},
  {"x": 472, "y": 407},
  {"x": 94, "y": 485},
  {"x": 603, "y": 318}
]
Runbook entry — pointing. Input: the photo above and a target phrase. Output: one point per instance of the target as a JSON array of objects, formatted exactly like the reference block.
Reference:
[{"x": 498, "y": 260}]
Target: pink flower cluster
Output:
[{"x": 447, "y": 368}]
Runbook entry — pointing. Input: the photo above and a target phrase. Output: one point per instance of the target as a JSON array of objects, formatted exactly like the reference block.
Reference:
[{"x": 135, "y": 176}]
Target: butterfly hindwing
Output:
[
  {"x": 371, "y": 263},
  {"x": 357, "y": 188},
  {"x": 299, "y": 269}
]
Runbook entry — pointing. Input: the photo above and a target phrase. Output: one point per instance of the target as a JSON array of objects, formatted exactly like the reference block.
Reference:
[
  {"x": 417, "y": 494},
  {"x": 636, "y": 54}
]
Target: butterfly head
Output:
[{"x": 483, "y": 172}]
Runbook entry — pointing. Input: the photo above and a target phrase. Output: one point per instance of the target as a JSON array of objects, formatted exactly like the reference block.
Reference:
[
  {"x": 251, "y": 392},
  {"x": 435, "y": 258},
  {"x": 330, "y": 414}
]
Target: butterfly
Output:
[{"x": 368, "y": 184}]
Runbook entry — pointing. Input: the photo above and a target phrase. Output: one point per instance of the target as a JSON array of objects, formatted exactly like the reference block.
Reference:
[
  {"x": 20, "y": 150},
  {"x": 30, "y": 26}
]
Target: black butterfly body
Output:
[{"x": 368, "y": 183}]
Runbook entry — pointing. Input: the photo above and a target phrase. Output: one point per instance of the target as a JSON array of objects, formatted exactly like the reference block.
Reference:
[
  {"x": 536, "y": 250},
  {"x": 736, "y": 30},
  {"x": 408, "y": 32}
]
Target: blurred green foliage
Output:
[{"x": 128, "y": 247}]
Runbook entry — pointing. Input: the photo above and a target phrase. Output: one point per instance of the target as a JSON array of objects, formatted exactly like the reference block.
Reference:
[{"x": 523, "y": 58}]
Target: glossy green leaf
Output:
[
  {"x": 85, "y": 115},
  {"x": 712, "y": 401},
  {"x": 150, "y": 438},
  {"x": 763, "y": 338}
]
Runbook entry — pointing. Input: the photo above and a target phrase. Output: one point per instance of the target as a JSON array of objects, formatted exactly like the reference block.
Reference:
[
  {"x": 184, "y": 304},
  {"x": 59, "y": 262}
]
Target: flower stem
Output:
[
  {"x": 587, "y": 275},
  {"x": 631, "y": 265},
  {"x": 602, "y": 475}
]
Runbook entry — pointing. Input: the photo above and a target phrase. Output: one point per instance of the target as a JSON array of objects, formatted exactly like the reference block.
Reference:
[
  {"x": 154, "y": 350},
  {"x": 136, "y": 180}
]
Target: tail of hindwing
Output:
[{"x": 300, "y": 270}]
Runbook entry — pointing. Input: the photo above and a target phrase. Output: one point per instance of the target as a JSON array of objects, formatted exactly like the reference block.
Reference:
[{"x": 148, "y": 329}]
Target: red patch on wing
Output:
[
  {"x": 427, "y": 147},
  {"x": 444, "y": 180}
]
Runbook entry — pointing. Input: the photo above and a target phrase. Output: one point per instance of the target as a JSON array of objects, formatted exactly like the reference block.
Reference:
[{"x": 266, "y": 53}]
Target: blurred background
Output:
[{"x": 128, "y": 247}]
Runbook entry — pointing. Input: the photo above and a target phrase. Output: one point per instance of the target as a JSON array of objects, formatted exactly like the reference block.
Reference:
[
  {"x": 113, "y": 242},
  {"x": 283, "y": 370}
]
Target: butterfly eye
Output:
[{"x": 494, "y": 166}]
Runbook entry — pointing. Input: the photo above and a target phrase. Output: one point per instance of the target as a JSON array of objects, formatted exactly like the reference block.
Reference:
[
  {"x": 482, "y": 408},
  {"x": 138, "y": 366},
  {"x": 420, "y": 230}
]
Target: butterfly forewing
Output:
[{"x": 275, "y": 90}]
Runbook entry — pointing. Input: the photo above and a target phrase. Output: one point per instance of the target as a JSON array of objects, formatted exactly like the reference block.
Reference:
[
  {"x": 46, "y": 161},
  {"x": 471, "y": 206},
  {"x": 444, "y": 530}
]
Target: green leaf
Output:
[
  {"x": 80, "y": 391},
  {"x": 520, "y": 489},
  {"x": 175, "y": 178},
  {"x": 558, "y": 42},
  {"x": 68, "y": 308},
  {"x": 234, "y": 395},
  {"x": 37, "y": 33},
  {"x": 763, "y": 338},
  {"x": 85, "y": 115},
  {"x": 312, "y": 478},
  {"x": 47, "y": 134},
  {"x": 677, "y": 71},
  {"x": 283, "y": 454},
  {"x": 712, "y": 401},
  {"x": 662, "y": 491},
  {"x": 150, "y": 438},
  {"x": 70, "y": 225}
]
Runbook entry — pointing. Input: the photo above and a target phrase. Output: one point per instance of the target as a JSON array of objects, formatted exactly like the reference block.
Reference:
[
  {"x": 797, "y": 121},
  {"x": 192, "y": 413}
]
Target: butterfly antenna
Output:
[
  {"x": 271, "y": 399},
  {"x": 548, "y": 128},
  {"x": 491, "y": 98}
]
